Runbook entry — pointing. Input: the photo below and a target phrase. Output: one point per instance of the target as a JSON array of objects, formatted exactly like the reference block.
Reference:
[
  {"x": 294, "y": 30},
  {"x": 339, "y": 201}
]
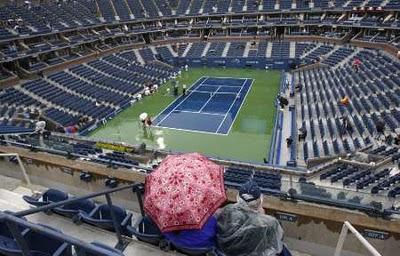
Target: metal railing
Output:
[
  {"x": 13, "y": 223},
  {"x": 346, "y": 227},
  {"x": 21, "y": 165},
  {"x": 332, "y": 201},
  {"x": 12, "y": 220}
]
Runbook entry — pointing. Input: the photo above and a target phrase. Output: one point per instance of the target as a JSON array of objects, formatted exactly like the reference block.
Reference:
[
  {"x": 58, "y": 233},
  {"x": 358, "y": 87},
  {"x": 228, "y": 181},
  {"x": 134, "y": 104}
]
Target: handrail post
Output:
[
  {"x": 342, "y": 237},
  {"x": 27, "y": 179},
  {"x": 117, "y": 226},
  {"x": 21, "y": 165},
  {"x": 16, "y": 233},
  {"x": 78, "y": 245},
  {"x": 79, "y": 251},
  {"x": 347, "y": 226},
  {"x": 138, "y": 191}
]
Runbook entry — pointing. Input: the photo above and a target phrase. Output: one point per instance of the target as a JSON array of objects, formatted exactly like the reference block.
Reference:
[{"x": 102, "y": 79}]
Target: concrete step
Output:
[
  {"x": 9, "y": 183},
  {"x": 12, "y": 200},
  {"x": 226, "y": 49},
  {"x": 175, "y": 54},
  {"x": 153, "y": 50},
  {"x": 247, "y": 49},
  {"x": 187, "y": 49},
  {"x": 292, "y": 53},
  {"x": 5, "y": 205},
  {"x": 269, "y": 50},
  {"x": 138, "y": 56},
  {"x": 204, "y": 53},
  {"x": 25, "y": 191}
]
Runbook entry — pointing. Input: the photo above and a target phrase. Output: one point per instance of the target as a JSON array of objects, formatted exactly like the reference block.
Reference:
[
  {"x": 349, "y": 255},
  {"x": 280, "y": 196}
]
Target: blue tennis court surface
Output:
[{"x": 210, "y": 105}]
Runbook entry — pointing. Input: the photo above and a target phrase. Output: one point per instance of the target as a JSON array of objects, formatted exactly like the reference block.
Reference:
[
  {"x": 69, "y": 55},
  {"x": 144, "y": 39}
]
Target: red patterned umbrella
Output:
[{"x": 183, "y": 192}]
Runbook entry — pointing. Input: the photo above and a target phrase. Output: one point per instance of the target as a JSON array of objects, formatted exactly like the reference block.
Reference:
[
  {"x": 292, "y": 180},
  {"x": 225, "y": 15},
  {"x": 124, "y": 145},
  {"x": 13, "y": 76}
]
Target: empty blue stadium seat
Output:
[
  {"x": 74, "y": 208},
  {"x": 50, "y": 196},
  {"x": 101, "y": 217},
  {"x": 38, "y": 245},
  {"x": 144, "y": 229}
]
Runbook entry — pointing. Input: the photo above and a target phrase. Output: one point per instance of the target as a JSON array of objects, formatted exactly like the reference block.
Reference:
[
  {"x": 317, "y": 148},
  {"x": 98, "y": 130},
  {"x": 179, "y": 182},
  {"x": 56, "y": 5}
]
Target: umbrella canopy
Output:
[
  {"x": 143, "y": 116},
  {"x": 183, "y": 192}
]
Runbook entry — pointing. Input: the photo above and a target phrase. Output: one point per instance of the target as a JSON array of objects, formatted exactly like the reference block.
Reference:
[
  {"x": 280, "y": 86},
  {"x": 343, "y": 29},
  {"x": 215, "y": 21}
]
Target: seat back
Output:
[
  {"x": 83, "y": 205},
  {"x": 5, "y": 232},
  {"x": 105, "y": 213},
  {"x": 54, "y": 195},
  {"x": 145, "y": 230},
  {"x": 148, "y": 227},
  {"x": 44, "y": 244}
]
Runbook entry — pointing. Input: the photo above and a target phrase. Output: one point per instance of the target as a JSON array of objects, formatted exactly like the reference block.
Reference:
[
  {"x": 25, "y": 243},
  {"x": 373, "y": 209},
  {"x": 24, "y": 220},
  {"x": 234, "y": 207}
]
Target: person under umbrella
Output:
[
  {"x": 144, "y": 119},
  {"x": 181, "y": 197},
  {"x": 356, "y": 64},
  {"x": 245, "y": 230}
]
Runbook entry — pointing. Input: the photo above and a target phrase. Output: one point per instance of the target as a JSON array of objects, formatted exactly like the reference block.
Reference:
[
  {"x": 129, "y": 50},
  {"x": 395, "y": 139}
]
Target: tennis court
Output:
[
  {"x": 248, "y": 139},
  {"x": 211, "y": 105}
]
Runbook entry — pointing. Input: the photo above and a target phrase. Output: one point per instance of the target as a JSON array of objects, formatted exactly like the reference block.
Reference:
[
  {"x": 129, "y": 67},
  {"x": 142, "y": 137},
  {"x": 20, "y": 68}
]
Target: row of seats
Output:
[
  {"x": 90, "y": 92},
  {"x": 367, "y": 180},
  {"x": 83, "y": 210},
  {"x": 279, "y": 50},
  {"x": 100, "y": 216},
  {"x": 6, "y": 128},
  {"x": 372, "y": 93},
  {"x": 52, "y": 16},
  {"x": 235, "y": 177},
  {"x": 42, "y": 243}
]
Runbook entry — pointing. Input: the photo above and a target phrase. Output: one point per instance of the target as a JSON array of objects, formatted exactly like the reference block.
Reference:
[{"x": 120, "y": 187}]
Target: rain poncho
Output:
[{"x": 243, "y": 231}]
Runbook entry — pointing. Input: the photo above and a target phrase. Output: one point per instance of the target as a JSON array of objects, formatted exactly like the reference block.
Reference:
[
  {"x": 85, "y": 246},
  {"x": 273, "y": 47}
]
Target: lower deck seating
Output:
[
  {"x": 88, "y": 93},
  {"x": 372, "y": 93}
]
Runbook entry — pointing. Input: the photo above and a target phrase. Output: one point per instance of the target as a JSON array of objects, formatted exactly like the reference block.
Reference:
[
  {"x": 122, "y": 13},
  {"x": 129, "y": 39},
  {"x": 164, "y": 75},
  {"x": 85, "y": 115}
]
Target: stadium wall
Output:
[{"x": 312, "y": 228}]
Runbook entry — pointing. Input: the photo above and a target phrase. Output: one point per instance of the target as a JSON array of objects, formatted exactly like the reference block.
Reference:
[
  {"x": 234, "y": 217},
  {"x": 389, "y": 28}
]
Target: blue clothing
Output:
[{"x": 203, "y": 238}]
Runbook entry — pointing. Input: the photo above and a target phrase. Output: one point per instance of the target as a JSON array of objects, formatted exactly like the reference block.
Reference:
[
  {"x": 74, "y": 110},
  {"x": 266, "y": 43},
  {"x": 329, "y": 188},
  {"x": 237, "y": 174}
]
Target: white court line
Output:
[
  {"x": 207, "y": 92},
  {"x": 180, "y": 103},
  {"x": 221, "y": 85},
  {"x": 251, "y": 85},
  {"x": 193, "y": 131},
  {"x": 212, "y": 96},
  {"x": 229, "y": 77},
  {"x": 176, "y": 100},
  {"x": 196, "y": 112},
  {"x": 215, "y": 114},
  {"x": 233, "y": 103}
]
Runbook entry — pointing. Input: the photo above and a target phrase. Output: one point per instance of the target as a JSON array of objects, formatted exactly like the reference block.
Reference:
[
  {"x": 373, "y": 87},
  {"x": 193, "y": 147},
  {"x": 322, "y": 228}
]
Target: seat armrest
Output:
[
  {"x": 90, "y": 214},
  {"x": 137, "y": 221},
  {"x": 34, "y": 201},
  {"x": 25, "y": 232},
  {"x": 61, "y": 249},
  {"x": 127, "y": 220}
]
